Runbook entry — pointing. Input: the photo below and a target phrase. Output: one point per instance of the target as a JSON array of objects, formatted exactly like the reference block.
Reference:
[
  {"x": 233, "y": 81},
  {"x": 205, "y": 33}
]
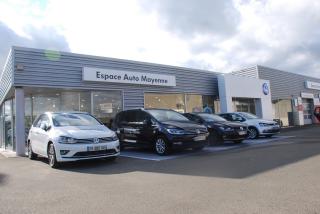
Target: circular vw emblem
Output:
[
  {"x": 96, "y": 140},
  {"x": 241, "y": 128},
  {"x": 198, "y": 131},
  {"x": 265, "y": 88}
]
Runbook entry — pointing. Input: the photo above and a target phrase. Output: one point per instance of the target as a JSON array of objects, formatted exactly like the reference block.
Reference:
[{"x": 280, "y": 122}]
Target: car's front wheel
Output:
[
  {"x": 52, "y": 158},
  {"x": 253, "y": 133},
  {"x": 161, "y": 146},
  {"x": 31, "y": 155}
]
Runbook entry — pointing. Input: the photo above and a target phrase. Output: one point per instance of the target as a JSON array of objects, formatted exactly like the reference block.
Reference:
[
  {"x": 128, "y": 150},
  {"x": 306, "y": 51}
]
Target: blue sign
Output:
[{"x": 265, "y": 88}]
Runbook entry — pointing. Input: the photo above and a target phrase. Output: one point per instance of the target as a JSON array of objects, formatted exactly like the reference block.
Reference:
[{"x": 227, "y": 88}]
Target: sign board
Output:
[
  {"x": 106, "y": 107},
  {"x": 129, "y": 77},
  {"x": 312, "y": 85},
  {"x": 307, "y": 95}
]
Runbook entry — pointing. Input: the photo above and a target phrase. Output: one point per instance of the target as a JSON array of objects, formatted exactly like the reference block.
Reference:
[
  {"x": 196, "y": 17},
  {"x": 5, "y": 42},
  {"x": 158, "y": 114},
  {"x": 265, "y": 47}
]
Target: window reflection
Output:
[
  {"x": 194, "y": 103},
  {"x": 167, "y": 101},
  {"x": 8, "y": 126},
  {"x": 106, "y": 104}
]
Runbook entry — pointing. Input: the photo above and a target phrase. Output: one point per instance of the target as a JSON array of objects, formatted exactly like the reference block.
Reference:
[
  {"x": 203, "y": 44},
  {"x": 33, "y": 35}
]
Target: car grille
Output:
[
  {"x": 194, "y": 130},
  {"x": 95, "y": 153},
  {"x": 90, "y": 140}
]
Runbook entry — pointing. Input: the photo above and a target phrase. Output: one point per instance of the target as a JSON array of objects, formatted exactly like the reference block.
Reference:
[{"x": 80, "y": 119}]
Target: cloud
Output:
[
  {"x": 230, "y": 35},
  {"x": 219, "y": 35},
  {"x": 45, "y": 38},
  {"x": 188, "y": 18}
]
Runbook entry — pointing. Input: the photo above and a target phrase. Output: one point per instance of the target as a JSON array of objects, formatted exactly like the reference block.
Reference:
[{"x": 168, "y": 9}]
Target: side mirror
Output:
[
  {"x": 147, "y": 122},
  {"x": 45, "y": 126}
]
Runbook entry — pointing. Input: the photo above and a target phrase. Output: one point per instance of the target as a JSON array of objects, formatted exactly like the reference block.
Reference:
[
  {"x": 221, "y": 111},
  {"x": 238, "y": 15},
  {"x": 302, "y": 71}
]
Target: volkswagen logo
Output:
[
  {"x": 198, "y": 131},
  {"x": 96, "y": 140},
  {"x": 241, "y": 128},
  {"x": 265, "y": 88}
]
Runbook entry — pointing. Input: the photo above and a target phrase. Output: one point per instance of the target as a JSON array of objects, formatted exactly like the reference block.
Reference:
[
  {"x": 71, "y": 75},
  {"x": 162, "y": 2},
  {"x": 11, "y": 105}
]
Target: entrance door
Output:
[{"x": 307, "y": 110}]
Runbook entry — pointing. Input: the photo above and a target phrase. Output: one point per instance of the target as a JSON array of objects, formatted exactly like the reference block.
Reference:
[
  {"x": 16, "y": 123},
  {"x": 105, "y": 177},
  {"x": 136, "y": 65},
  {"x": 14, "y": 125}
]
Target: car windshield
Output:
[
  {"x": 74, "y": 119},
  {"x": 248, "y": 115},
  {"x": 167, "y": 115},
  {"x": 212, "y": 118}
]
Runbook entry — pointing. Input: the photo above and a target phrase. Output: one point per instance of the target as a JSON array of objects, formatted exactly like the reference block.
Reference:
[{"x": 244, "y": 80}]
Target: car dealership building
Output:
[{"x": 34, "y": 81}]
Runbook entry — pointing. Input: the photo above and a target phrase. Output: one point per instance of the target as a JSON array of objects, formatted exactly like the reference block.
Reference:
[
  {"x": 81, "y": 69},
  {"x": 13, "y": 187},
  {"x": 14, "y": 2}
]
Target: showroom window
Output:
[
  {"x": 1, "y": 127},
  {"x": 167, "y": 101},
  {"x": 282, "y": 110},
  {"x": 45, "y": 102},
  {"x": 211, "y": 104},
  {"x": 182, "y": 102},
  {"x": 194, "y": 103},
  {"x": 106, "y": 104},
  {"x": 244, "y": 105},
  {"x": 102, "y": 104},
  {"x": 8, "y": 125}
]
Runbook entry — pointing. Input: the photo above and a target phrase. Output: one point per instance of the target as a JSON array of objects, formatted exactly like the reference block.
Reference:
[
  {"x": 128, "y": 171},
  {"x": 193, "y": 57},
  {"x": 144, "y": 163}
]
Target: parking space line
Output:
[{"x": 149, "y": 155}]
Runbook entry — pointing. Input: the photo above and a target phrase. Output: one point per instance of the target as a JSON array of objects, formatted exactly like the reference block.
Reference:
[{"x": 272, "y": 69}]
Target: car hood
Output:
[
  {"x": 184, "y": 125},
  {"x": 84, "y": 132},
  {"x": 227, "y": 123}
]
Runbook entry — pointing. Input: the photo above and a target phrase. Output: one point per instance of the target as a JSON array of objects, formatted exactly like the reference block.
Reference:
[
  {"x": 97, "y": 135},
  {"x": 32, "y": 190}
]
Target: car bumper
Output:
[
  {"x": 234, "y": 136},
  {"x": 75, "y": 152},
  {"x": 269, "y": 130},
  {"x": 189, "y": 141}
]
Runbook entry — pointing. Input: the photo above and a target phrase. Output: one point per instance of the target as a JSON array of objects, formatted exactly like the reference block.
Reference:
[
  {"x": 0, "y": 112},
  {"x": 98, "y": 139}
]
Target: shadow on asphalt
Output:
[
  {"x": 2, "y": 178},
  {"x": 236, "y": 163}
]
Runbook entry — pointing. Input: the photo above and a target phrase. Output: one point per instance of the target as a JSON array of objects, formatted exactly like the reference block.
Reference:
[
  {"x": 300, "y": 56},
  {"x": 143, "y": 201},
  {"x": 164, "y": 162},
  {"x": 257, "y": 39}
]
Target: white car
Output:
[
  {"x": 256, "y": 126},
  {"x": 71, "y": 136}
]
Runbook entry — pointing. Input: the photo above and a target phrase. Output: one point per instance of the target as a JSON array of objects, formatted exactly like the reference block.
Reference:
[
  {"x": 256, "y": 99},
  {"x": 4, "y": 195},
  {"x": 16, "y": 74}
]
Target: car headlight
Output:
[
  {"x": 264, "y": 124},
  {"x": 114, "y": 137},
  {"x": 176, "y": 131},
  {"x": 226, "y": 128},
  {"x": 66, "y": 140}
]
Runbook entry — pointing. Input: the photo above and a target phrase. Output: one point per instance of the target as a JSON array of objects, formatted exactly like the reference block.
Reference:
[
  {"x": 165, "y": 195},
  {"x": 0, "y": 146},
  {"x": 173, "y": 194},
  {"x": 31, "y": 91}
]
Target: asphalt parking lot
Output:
[{"x": 279, "y": 175}]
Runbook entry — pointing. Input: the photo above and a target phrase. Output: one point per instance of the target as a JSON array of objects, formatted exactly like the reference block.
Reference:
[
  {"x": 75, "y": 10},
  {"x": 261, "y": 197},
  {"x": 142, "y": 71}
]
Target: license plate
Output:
[
  {"x": 96, "y": 148},
  {"x": 242, "y": 132},
  {"x": 199, "y": 138}
]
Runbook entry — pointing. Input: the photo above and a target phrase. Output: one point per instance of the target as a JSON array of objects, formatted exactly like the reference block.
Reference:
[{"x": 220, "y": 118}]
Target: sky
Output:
[{"x": 216, "y": 35}]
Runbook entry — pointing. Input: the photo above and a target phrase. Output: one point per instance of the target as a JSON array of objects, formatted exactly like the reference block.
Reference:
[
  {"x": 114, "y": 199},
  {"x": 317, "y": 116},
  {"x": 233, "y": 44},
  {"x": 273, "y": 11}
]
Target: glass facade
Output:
[
  {"x": 1, "y": 126},
  {"x": 194, "y": 103},
  {"x": 244, "y": 104},
  {"x": 167, "y": 101},
  {"x": 106, "y": 105},
  {"x": 102, "y": 104},
  {"x": 8, "y": 125},
  {"x": 307, "y": 110},
  {"x": 181, "y": 102},
  {"x": 282, "y": 109}
]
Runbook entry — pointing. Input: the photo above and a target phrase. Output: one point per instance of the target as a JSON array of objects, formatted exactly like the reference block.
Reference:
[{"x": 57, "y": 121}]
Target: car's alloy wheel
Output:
[
  {"x": 253, "y": 133},
  {"x": 52, "y": 156},
  {"x": 31, "y": 155},
  {"x": 161, "y": 146}
]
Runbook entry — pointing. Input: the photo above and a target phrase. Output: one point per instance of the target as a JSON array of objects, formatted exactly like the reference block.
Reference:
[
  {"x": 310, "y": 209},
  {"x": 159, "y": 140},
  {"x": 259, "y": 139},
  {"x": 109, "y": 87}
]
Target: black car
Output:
[
  {"x": 219, "y": 128},
  {"x": 161, "y": 129}
]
